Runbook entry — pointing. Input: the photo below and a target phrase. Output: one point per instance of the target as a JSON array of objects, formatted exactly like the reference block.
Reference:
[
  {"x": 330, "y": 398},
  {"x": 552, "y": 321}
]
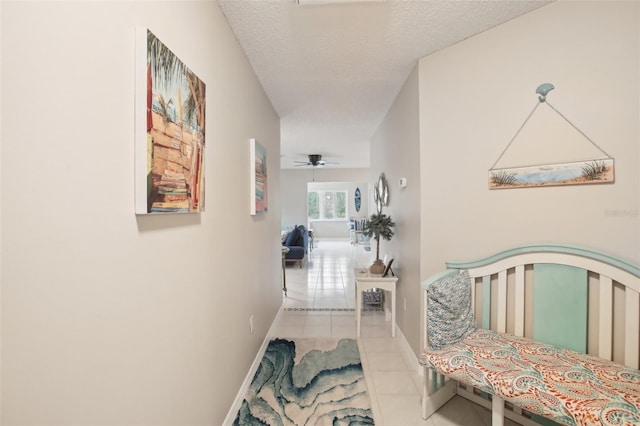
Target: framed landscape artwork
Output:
[
  {"x": 574, "y": 173},
  {"x": 258, "y": 176},
  {"x": 169, "y": 131}
]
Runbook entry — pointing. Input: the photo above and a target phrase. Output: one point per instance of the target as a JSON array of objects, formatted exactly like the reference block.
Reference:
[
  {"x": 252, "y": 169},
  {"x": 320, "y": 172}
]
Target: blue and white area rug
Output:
[{"x": 308, "y": 382}]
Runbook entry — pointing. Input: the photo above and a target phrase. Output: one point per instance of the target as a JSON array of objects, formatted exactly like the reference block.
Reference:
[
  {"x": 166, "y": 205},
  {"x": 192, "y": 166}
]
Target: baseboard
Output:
[
  {"x": 407, "y": 348},
  {"x": 237, "y": 402}
]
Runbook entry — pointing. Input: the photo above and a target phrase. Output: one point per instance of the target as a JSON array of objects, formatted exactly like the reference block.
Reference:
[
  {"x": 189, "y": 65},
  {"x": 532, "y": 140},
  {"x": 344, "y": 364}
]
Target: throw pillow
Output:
[
  {"x": 292, "y": 237},
  {"x": 299, "y": 241},
  {"x": 449, "y": 315}
]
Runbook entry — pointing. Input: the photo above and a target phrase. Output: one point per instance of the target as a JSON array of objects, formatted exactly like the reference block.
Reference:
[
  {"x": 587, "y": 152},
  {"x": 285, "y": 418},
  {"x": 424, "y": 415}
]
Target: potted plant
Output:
[{"x": 379, "y": 225}]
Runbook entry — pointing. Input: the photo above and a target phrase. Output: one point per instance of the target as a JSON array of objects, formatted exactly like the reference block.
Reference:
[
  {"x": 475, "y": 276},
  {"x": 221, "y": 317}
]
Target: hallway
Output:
[{"x": 320, "y": 303}]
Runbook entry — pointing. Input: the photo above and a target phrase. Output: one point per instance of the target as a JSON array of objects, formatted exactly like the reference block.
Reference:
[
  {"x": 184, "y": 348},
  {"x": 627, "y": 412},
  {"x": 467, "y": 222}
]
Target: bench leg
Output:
[
  {"x": 497, "y": 411},
  {"x": 434, "y": 396},
  {"x": 425, "y": 391}
]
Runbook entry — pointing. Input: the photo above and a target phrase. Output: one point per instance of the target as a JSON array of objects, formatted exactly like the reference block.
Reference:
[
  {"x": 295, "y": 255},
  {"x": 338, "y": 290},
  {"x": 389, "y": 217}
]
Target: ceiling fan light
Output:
[{"x": 314, "y": 159}]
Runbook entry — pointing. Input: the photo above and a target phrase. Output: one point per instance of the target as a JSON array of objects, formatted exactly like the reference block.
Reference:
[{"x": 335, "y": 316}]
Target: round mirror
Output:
[
  {"x": 383, "y": 190},
  {"x": 379, "y": 205}
]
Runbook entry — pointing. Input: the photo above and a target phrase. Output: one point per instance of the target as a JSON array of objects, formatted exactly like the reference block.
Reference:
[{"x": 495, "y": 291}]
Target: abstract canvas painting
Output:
[
  {"x": 258, "y": 176},
  {"x": 170, "y": 131}
]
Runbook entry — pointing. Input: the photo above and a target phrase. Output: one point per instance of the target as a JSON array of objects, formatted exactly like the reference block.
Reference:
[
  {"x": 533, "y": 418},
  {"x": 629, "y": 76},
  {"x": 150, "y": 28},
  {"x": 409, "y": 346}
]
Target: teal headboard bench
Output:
[{"x": 570, "y": 297}]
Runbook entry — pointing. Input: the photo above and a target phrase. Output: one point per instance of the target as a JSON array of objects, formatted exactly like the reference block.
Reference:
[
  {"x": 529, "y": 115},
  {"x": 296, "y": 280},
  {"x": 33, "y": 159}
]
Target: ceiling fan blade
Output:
[{"x": 315, "y": 160}]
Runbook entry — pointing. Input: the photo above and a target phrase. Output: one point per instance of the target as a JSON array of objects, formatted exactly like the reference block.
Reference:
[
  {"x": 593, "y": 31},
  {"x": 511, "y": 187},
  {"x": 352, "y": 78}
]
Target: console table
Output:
[
  {"x": 285, "y": 250},
  {"x": 367, "y": 281}
]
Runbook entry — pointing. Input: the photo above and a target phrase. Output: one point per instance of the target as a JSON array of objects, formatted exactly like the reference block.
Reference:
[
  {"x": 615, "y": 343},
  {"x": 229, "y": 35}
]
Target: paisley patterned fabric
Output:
[
  {"x": 568, "y": 387},
  {"x": 449, "y": 315}
]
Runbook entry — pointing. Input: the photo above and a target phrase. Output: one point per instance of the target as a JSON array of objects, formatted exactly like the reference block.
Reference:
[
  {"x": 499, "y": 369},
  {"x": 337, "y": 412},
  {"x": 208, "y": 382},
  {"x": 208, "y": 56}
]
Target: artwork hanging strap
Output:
[{"x": 542, "y": 91}]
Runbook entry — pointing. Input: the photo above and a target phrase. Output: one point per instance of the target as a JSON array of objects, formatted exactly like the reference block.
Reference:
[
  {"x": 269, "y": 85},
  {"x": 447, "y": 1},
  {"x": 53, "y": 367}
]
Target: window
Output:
[
  {"x": 313, "y": 205},
  {"x": 327, "y": 205}
]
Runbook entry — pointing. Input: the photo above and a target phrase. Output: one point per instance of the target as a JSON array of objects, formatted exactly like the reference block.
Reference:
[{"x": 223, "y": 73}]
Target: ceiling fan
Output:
[{"x": 315, "y": 160}]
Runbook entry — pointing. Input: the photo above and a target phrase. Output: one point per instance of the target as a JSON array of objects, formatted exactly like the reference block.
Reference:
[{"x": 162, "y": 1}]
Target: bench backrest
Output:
[{"x": 572, "y": 297}]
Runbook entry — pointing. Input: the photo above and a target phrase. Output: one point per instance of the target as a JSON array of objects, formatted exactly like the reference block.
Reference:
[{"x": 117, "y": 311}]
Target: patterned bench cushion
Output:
[{"x": 568, "y": 387}]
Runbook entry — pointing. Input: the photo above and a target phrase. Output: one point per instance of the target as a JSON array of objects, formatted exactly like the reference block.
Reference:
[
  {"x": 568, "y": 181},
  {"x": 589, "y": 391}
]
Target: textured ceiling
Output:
[{"x": 333, "y": 70}]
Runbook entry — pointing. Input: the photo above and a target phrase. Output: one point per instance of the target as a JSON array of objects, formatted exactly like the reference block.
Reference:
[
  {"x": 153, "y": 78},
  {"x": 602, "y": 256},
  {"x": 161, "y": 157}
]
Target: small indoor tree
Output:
[{"x": 379, "y": 226}]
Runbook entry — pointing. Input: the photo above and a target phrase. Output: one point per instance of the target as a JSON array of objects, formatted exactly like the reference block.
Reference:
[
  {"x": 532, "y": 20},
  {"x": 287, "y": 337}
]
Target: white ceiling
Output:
[{"x": 332, "y": 69}]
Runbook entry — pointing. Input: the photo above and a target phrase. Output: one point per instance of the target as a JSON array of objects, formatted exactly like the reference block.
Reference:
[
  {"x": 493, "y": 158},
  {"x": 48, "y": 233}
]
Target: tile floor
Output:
[{"x": 318, "y": 304}]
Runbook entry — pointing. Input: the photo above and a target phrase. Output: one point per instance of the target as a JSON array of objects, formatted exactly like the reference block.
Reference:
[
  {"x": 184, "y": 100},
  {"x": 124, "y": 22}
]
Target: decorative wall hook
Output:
[{"x": 543, "y": 89}]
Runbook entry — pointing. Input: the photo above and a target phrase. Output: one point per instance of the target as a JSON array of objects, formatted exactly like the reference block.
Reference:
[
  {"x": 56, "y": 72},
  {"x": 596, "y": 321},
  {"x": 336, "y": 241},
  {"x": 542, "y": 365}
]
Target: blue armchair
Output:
[{"x": 298, "y": 242}]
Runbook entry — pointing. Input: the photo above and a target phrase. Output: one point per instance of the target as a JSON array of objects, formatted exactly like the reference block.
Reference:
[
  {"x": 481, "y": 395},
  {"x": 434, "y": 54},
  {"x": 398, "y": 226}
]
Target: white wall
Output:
[
  {"x": 395, "y": 148},
  {"x": 109, "y": 318},
  {"x": 475, "y": 95}
]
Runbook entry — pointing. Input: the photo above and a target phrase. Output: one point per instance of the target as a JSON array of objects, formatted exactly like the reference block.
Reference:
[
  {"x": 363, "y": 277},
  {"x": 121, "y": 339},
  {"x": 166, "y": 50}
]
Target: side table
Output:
[{"x": 367, "y": 281}]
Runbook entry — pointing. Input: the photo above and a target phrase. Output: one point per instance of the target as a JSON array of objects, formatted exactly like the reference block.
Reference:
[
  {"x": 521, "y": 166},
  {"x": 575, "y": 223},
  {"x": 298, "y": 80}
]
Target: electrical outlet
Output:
[
  {"x": 404, "y": 299},
  {"x": 251, "y": 324}
]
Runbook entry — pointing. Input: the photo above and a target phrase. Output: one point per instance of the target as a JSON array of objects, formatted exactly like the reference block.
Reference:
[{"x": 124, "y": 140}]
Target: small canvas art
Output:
[
  {"x": 574, "y": 173},
  {"x": 170, "y": 131},
  {"x": 258, "y": 161}
]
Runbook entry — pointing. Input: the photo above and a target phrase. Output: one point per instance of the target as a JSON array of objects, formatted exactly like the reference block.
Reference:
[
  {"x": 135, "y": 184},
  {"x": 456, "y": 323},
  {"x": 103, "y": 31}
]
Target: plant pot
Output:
[{"x": 377, "y": 267}]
